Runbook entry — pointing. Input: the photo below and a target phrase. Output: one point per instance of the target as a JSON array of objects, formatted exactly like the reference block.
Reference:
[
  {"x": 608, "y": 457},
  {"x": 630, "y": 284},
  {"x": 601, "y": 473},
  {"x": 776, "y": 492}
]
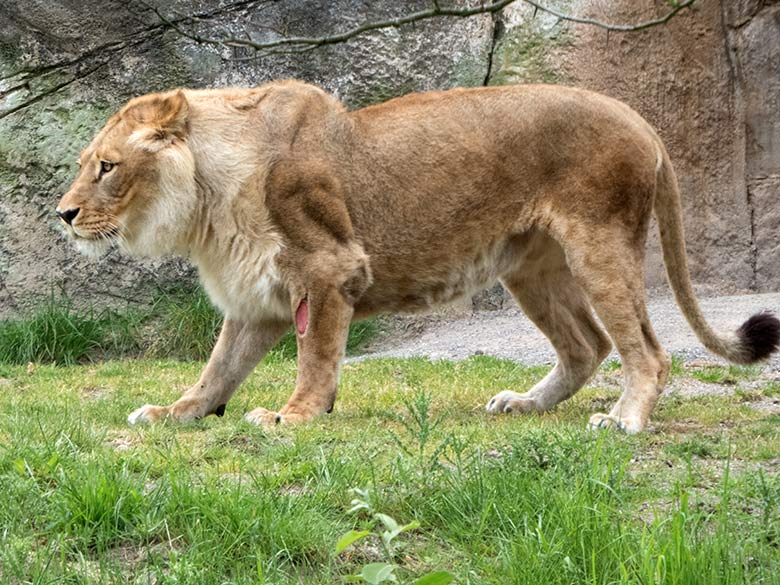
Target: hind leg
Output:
[
  {"x": 548, "y": 294},
  {"x": 611, "y": 272}
]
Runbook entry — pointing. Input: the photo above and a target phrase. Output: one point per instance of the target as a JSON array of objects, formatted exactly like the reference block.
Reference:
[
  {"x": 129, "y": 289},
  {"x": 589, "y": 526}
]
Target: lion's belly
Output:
[{"x": 431, "y": 284}]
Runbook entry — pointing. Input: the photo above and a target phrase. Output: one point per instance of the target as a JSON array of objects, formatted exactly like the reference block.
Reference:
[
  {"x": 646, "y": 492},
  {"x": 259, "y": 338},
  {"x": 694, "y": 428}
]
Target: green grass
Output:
[
  {"x": 187, "y": 325},
  {"x": 726, "y": 374},
  {"x": 500, "y": 500},
  {"x": 772, "y": 390},
  {"x": 179, "y": 324},
  {"x": 56, "y": 332}
]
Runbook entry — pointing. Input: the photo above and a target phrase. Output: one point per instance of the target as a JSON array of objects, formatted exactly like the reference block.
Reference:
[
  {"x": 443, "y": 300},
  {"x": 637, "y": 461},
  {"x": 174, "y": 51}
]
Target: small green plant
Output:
[
  {"x": 386, "y": 530},
  {"x": 420, "y": 448},
  {"x": 418, "y": 424}
]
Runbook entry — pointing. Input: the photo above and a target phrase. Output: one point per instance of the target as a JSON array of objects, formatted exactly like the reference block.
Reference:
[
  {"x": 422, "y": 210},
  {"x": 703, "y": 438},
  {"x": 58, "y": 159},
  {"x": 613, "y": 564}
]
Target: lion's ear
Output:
[
  {"x": 162, "y": 119},
  {"x": 172, "y": 113}
]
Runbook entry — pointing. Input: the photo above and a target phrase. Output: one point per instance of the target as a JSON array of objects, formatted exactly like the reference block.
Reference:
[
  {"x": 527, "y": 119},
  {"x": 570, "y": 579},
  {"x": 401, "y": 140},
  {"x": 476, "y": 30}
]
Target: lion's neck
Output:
[
  {"x": 226, "y": 175},
  {"x": 232, "y": 240},
  {"x": 234, "y": 247}
]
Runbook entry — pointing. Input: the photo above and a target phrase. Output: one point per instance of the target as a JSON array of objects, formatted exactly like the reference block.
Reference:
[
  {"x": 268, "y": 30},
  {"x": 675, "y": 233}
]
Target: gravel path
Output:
[{"x": 509, "y": 334}]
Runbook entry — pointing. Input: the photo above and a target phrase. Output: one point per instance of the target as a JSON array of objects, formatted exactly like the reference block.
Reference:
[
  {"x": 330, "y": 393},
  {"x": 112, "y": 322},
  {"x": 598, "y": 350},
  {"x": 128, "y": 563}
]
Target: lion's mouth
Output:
[
  {"x": 96, "y": 241},
  {"x": 108, "y": 234}
]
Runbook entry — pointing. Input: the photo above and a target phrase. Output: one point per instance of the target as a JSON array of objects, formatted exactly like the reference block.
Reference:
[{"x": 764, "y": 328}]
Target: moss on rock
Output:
[
  {"x": 529, "y": 48},
  {"x": 38, "y": 151}
]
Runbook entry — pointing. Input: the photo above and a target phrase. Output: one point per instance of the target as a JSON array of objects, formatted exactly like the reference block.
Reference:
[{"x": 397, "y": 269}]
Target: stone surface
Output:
[
  {"x": 757, "y": 55},
  {"x": 755, "y": 36},
  {"x": 764, "y": 195},
  {"x": 709, "y": 81},
  {"x": 530, "y": 47}
]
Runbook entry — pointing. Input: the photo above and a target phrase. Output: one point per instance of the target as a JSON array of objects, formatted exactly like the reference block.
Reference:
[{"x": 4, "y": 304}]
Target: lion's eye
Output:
[{"x": 106, "y": 167}]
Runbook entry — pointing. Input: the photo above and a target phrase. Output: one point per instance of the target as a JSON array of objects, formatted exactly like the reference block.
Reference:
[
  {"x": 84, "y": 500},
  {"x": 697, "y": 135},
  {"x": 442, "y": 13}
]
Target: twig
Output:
[
  {"x": 50, "y": 91},
  {"x": 302, "y": 44},
  {"x": 614, "y": 27},
  {"x": 287, "y": 45}
]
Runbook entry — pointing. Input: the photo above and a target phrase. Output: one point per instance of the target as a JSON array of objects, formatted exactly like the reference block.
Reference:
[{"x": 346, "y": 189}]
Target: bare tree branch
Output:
[
  {"x": 27, "y": 72},
  {"x": 301, "y": 44},
  {"x": 676, "y": 7},
  {"x": 50, "y": 91},
  {"x": 89, "y": 62},
  {"x": 41, "y": 81}
]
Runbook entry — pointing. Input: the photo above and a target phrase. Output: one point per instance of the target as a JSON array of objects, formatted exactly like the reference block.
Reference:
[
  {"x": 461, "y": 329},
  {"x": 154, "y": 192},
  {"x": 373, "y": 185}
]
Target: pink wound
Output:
[{"x": 302, "y": 317}]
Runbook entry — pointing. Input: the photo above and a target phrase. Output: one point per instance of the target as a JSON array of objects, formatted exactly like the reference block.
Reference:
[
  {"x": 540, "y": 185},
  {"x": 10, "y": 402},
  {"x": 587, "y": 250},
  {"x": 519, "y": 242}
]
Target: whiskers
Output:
[
  {"x": 103, "y": 234},
  {"x": 115, "y": 233}
]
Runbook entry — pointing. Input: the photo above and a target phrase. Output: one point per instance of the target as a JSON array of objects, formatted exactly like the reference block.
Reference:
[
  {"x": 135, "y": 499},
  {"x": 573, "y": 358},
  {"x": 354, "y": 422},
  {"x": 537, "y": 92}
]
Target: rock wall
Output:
[
  {"x": 753, "y": 40},
  {"x": 709, "y": 81}
]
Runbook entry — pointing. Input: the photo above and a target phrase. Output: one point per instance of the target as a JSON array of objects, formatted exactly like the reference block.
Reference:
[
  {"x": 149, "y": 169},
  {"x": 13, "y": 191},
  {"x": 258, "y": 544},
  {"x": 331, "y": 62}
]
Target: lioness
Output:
[{"x": 296, "y": 210}]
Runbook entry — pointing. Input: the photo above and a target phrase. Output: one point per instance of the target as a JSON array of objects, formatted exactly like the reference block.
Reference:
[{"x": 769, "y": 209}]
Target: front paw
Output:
[
  {"x": 268, "y": 418},
  {"x": 511, "y": 402},
  {"x": 183, "y": 410},
  {"x": 608, "y": 421},
  {"x": 147, "y": 413}
]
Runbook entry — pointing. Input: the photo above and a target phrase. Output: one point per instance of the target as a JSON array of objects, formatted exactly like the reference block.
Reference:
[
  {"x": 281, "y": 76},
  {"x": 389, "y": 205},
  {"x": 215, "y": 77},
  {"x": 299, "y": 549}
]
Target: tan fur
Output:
[{"x": 280, "y": 196}]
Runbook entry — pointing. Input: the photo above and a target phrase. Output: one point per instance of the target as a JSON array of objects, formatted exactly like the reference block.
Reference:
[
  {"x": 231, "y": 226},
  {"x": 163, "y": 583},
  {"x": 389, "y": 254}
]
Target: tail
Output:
[{"x": 758, "y": 337}]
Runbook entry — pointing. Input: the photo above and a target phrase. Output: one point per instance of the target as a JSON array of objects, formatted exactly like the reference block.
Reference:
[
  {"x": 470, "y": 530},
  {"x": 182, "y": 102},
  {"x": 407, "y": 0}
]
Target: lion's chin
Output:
[{"x": 93, "y": 248}]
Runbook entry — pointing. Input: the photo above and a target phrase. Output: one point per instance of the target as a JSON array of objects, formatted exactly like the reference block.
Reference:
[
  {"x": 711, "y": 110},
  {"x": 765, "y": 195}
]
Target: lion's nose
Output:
[{"x": 68, "y": 215}]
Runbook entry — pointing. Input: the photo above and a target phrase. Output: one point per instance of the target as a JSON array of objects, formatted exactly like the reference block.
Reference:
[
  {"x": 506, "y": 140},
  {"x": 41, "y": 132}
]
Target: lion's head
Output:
[{"x": 136, "y": 185}]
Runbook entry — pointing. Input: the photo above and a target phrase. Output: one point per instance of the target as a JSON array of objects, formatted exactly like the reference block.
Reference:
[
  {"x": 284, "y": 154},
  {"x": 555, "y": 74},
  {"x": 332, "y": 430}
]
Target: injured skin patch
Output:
[{"x": 302, "y": 317}]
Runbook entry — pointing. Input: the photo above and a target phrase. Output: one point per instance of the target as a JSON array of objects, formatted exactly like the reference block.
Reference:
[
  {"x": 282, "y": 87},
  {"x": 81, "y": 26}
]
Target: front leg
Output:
[
  {"x": 238, "y": 350},
  {"x": 322, "y": 323}
]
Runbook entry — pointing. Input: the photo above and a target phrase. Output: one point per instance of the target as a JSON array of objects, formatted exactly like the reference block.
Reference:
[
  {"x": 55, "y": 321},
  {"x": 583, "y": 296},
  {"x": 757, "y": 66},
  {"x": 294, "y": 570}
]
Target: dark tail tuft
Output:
[{"x": 760, "y": 336}]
